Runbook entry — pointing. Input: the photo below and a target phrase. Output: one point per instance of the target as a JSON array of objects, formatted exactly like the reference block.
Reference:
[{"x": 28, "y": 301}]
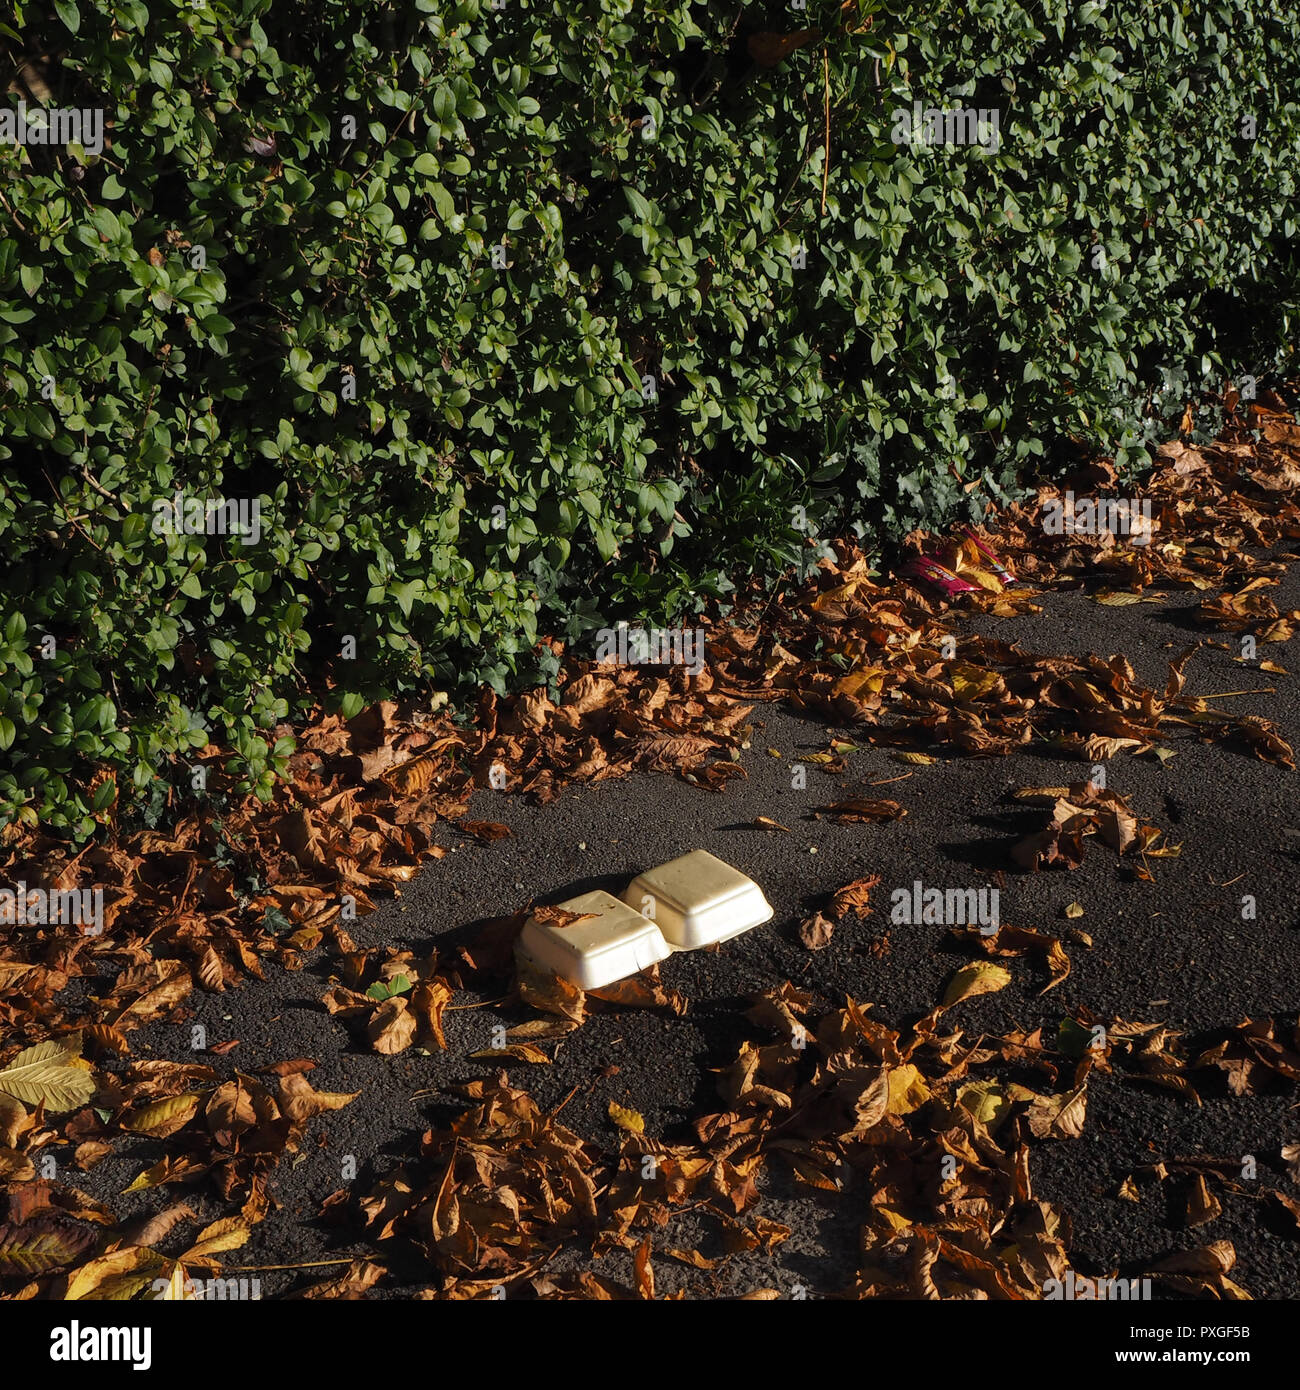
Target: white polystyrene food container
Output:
[
  {"x": 696, "y": 900},
  {"x": 613, "y": 944}
]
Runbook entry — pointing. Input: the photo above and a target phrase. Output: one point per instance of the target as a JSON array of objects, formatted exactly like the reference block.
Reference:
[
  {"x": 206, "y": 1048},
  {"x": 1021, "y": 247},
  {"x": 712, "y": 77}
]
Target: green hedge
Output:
[{"x": 541, "y": 206}]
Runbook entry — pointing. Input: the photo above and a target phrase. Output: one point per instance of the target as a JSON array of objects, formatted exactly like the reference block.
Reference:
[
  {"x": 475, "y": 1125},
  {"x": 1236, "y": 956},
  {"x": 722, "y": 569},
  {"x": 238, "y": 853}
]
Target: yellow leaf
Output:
[
  {"x": 1074, "y": 910},
  {"x": 626, "y": 1119},
  {"x": 971, "y": 682},
  {"x": 919, "y": 759},
  {"x": 163, "y": 1117},
  {"x": 167, "y": 1169},
  {"x": 979, "y": 977},
  {"x": 46, "y": 1074},
  {"x": 862, "y": 683},
  {"x": 896, "y": 1219},
  {"x": 1117, "y": 598},
  {"x": 178, "y": 1288},
  {"x": 973, "y": 575},
  {"x": 227, "y": 1234},
  {"x": 121, "y": 1274},
  {"x": 987, "y": 1101},
  {"x": 907, "y": 1090}
]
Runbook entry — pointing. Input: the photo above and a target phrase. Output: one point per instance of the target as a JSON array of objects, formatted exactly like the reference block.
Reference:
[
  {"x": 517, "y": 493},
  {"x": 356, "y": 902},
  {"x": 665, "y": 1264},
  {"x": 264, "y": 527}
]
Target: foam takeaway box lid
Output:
[
  {"x": 696, "y": 900},
  {"x": 617, "y": 942}
]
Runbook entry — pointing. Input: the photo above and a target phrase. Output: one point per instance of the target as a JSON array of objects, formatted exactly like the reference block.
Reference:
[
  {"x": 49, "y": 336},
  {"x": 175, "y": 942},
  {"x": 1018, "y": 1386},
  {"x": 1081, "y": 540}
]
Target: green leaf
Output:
[{"x": 68, "y": 13}]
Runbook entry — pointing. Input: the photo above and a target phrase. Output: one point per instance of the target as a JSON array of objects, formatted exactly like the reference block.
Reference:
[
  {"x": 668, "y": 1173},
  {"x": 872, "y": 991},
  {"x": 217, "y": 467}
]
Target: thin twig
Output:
[
  {"x": 826, "y": 161},
  {"x": 306, "y": 1264},
  {"x": 486, "y": 1004},
  {"x": 94, "y": 484},
  {"x": 566, "y": 1100}
]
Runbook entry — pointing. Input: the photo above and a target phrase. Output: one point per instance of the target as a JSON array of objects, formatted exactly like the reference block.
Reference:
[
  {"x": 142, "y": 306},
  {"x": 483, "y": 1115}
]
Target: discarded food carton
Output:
[
  {"x": 696, "y": 900},
  {"x": 615, "y": 942}
]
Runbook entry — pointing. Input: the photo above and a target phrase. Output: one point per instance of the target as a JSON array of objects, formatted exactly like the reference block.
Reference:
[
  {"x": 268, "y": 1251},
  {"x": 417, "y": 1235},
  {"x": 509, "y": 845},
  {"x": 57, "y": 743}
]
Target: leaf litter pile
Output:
[{"x": 934, "y": 1130}]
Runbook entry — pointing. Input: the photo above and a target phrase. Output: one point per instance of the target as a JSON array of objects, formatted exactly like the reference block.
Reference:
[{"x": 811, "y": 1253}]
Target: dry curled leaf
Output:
[
  {"x": 864, "y": 810},
  {"x": 979, "y": 977},
  {"x": 516, "y": 1052},
  {"x": 816, "y": 932},
  {"x": 853, "y": 897},
  {"x": 391, "y": 1027},
  {"x": 1202, "y": 1204}
]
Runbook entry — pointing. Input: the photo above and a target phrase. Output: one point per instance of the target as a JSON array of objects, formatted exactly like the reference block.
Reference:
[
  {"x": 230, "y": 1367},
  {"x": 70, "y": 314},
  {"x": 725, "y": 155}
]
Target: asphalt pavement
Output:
[{"x": 1176, "y": 951}]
